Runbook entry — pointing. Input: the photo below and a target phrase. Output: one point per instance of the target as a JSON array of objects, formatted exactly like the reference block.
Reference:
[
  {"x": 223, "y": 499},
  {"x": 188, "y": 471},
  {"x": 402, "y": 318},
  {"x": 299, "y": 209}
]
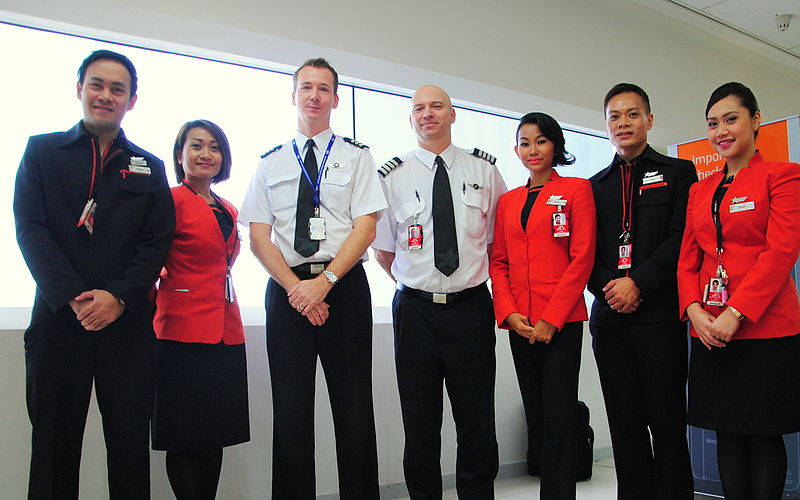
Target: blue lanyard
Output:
[{"x": 320, "y": 170}]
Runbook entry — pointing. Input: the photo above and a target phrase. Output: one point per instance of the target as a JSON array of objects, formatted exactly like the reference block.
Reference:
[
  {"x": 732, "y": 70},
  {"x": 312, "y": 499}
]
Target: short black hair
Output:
[
  {"x": 318, "y": 62},
  {"x": 552, "y": 130},
  {"x": 99, "y": 55},
  {"x": 213, "y": 129},
  {"x": 622, "y": 88}
]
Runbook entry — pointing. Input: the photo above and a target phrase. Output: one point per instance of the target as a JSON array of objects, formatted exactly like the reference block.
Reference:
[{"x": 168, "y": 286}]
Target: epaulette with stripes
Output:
[
  {"x": 355, "y": 143},
  {"x": 484, "y": 155},
  {"x": 389, "y": 166},
  {"x": 279, "y": 146}
]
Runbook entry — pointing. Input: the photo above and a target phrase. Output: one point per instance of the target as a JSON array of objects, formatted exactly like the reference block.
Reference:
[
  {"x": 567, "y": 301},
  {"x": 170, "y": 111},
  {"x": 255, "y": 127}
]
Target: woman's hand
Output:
[
  {"x": 542, "y": 332},
  {"x": 725, "y": 326},
  {"x": 702, "y": 321},
  {"x": 520, "y": 324}
]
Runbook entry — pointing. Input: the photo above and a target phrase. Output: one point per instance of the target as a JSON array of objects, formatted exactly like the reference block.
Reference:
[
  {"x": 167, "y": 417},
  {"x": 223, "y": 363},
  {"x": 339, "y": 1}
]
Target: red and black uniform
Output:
[
  {"x": 642, "y": 356},
  {"x": 133, "y": 226}
]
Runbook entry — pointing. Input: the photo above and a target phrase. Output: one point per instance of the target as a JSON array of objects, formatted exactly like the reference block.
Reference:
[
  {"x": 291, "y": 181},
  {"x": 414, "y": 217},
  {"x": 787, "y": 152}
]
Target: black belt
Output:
[
  {"x": 311, "y": 267},
  {"x": 441, "y": 298}
]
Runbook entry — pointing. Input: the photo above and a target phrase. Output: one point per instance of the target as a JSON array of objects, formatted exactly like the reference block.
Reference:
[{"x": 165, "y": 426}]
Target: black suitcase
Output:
[{"x": 584, "y": 449}]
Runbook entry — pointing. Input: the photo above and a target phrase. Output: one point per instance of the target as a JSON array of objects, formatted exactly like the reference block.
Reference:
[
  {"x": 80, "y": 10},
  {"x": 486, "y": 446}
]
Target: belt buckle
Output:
[
  {"x": 440, "y": 298},
  {"x": 316, "y": 268}
]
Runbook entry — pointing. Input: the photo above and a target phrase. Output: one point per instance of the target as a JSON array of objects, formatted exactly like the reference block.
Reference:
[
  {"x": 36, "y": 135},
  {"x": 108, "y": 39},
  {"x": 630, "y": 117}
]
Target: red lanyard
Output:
[
  {"x": 94, "y": 165},
  {"x": 627, "y": 201}
]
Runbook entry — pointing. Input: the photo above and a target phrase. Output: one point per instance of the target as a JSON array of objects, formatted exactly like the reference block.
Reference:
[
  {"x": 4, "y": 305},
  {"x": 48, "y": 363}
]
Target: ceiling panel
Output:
[{"x": 758, "y": 18}]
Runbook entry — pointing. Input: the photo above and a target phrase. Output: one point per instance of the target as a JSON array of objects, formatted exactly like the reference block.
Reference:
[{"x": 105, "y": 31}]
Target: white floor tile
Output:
[{"x": 602, "y": 486}]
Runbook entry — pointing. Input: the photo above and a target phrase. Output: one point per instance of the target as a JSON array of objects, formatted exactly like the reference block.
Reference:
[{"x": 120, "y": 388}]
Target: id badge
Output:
[
  {"x": 715, "y": 293},
  {"x": 415, "y": 237},
  {"x": 229, "y": 294},
  {"x": 560, "y": 224},
  {"x": 87, "y": 216},
  {"x": 625, "y": 252},
  {"x": 316, "y": 228}
]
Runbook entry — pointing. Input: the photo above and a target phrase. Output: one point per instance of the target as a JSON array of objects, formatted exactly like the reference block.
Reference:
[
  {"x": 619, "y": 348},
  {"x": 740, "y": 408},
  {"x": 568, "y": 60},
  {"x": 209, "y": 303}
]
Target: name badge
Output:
[
  {"x": 415, "y": 237},
  {"x": 652, "y": 178},
  {"x": 137, "y": 169},
  {"x": 556, "y": 201},
  {"x": 741, "y": 207},
  {"x": 316, "y": 228},
  {"x": 560, "y": 225}
]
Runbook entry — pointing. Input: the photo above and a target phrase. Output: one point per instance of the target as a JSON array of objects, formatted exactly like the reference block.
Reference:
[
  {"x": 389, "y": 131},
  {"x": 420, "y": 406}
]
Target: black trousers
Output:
[
  {"x": 548, "y": 381},
  {"x": 344, "y": 347},
  {"x": 450, "y": 343},
  {"x": 61, "y": 366},
  {"x": 643, "y": 375}
]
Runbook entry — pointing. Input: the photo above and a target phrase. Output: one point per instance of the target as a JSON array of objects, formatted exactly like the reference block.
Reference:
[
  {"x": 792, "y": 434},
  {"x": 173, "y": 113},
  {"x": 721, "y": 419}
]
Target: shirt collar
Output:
[
  {"x": 321, "y": 140},
  {"x": 80, "y": 133},
  {"x": 427, "y": 158},
  {"x": 649, "y": 154}
]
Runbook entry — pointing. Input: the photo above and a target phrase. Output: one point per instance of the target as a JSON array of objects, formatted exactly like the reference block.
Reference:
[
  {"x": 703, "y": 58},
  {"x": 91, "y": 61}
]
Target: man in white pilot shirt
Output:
[
  {"x": 310, "y": 241},
  {"x": 442, "y": 310}
]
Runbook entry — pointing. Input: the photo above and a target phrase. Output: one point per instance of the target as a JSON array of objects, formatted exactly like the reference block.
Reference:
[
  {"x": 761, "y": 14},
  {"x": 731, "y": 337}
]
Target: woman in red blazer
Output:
[
  {"x": 542, "y": 256},
  {"x": 201, "y": 368},
  {"x": 744, "y": 375}
]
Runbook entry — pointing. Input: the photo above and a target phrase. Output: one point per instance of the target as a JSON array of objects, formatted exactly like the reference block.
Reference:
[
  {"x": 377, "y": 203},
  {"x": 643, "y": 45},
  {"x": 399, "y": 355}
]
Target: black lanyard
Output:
[
  {"x": 716, "y": 202},
  {"x": 224, "y": 209}
]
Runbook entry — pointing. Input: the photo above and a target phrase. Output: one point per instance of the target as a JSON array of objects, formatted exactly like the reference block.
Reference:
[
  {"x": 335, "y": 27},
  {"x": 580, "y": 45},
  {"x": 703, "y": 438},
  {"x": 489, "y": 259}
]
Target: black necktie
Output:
[
  {"x": 303, "y": 244},
  {"x": 445, "y": 244}
]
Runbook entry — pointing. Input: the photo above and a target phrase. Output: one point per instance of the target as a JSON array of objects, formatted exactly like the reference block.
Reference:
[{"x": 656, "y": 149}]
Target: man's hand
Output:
[
  {"x": 96, "y": 309},
  {"x": 623, "y": 295},
  {"x": 318, "y": 314},
  {"x": 308, "y": 293}
]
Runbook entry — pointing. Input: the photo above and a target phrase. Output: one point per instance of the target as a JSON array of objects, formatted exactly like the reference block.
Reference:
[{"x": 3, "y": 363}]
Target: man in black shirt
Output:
[
  {"x": 640, "y": 344},
  {"x": 94, "y": 219}
]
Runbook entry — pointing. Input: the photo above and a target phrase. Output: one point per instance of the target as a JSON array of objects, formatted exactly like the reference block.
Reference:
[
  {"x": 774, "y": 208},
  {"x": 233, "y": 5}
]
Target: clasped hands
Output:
[
  {"x": 622, "y": 295},
  {"x": 542, "y": 331},
  {"x": 96, "y": 309},
  {"x": 307, "y": 298},
  {"x": 712, "y": 331}
]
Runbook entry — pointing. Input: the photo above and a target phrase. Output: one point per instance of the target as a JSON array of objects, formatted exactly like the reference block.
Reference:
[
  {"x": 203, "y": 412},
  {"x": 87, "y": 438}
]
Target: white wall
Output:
[{"x": 519, "y": 55}]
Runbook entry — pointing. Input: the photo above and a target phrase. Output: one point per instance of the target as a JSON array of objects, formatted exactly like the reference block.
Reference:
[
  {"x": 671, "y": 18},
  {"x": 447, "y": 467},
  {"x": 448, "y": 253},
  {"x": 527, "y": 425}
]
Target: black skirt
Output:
[
  {"x": 201, "y": 396},
  {"x": 751, "y": 386}
]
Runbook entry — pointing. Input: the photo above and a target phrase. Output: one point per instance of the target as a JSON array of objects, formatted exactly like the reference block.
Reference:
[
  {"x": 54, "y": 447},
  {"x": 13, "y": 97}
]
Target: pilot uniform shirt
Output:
[
  {"x": 475, "y": 184},
  {"x": 349, "y": 188}
]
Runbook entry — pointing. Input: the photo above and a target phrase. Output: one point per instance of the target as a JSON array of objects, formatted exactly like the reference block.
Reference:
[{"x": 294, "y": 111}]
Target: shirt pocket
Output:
[
  {"x": 335, "y": 189},
  {"x": 653, "y": 194},
  {"x": 475, "y": 205},
  {"x": 282, "y": 191},
  {"x": 405, "y": 216},
  {"x": 136, "y": 183}
]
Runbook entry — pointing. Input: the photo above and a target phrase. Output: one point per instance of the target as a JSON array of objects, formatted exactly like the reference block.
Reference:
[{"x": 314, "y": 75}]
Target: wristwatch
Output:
[
  {"x": 332, "y": 278},
  {"x": 736, "y": 313}
]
